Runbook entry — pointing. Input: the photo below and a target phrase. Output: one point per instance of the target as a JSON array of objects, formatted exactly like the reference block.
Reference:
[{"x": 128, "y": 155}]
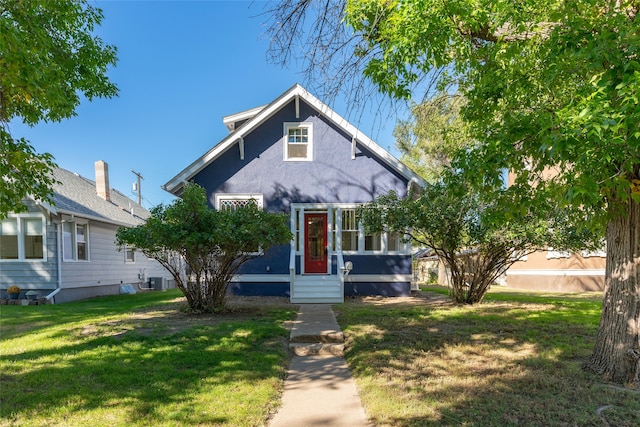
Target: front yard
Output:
[
  {"x": 138, "y": 360},
  {"x": 514, "y": 360}
]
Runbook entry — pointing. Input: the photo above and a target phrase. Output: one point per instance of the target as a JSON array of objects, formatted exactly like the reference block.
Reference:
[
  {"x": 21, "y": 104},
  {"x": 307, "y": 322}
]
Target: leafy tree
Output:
[
  {"x": 433, "y": 133},
  {"x": 475, "y": 237},
  {"x": 203, "y": 248},
  {"x": 48, "y": 59},
  {"x": 551, "y": 86}
]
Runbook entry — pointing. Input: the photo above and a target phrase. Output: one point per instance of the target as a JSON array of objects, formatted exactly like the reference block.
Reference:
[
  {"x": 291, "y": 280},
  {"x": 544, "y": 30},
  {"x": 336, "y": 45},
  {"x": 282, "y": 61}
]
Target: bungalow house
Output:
[
  {"x": 67, "y": 251},
  {"x": 297, "y": 156}
]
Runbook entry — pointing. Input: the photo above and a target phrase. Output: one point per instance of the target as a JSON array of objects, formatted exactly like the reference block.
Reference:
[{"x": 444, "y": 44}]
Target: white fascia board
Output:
[
  {"x": 242, "y": 115},
  {"x": 350, "y": 129},
  {"x": 228, "y": 141},
  {"x": 557, "y": 272}
]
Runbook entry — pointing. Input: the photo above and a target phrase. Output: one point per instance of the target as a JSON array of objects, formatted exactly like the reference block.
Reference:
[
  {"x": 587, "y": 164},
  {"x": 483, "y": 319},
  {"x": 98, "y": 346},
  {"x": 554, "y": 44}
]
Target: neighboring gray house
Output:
[
  {"x": 67, "y": 251},
  {"x": 296, "y": 155}
]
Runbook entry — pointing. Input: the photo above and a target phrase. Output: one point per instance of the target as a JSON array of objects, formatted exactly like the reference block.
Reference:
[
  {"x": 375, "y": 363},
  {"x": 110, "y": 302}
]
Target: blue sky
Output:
[{"x": 182, "y": 66}]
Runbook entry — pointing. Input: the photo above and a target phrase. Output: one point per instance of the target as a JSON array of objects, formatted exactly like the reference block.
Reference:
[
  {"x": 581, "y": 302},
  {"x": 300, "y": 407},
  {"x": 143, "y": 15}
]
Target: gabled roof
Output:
[
  {"x": 255, "y": 117},
  {"x": 76, "y": 195}
]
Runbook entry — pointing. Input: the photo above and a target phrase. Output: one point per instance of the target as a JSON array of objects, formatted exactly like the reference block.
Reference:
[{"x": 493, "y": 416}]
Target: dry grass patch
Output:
[{"x": 513, "y": 360}]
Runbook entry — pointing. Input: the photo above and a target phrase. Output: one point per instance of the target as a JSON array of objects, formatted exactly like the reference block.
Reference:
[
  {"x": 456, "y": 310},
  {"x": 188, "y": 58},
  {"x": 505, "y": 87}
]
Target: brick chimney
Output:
[{"x": 102, "y": 180}]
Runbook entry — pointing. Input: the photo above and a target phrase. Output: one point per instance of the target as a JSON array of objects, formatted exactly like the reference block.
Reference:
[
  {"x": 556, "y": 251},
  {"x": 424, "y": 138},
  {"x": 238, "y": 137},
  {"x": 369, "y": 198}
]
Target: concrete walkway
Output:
[{"x": 318, "y": 389}]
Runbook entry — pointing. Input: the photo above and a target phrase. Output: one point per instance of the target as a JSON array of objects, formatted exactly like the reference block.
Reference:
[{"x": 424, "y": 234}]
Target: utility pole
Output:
[{"x": 138, "y": 187}]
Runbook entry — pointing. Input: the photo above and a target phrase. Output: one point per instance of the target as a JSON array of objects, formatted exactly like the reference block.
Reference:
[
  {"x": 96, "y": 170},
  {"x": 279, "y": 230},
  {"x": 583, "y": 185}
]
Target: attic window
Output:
[{"x": 298, "y": 145}]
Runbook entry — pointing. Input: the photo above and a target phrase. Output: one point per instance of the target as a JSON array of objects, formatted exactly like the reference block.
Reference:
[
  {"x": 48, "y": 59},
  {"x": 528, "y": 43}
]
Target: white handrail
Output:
[
  {"x": 292, "y": 271},
  {"x": 343, "y": 271}
]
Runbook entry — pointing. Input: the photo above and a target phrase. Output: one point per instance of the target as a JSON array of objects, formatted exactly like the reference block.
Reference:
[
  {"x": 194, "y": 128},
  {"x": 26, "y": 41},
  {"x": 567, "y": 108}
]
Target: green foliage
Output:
[
  {"x": 24, "y": 172},
  {"x": 48, "y": 60},
  {"x": 476, "y": 238},
  {"x": 211, "y": 244},
  {"x": 550, "y": 86},
  {"x": 432, "y": 135}
]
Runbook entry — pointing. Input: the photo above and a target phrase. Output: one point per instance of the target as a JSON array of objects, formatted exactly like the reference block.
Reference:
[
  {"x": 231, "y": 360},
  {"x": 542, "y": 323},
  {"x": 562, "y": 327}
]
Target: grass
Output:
[
  {"x": 138, "y": 360},
  {"x": 513, "y": 360}
]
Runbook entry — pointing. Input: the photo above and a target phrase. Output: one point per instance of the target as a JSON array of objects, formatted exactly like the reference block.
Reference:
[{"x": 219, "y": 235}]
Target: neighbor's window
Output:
[
  {"x": 298, "y": 141},
  {"x": 75, "y": 241},
  {"x": 9, "y": 239},
  {"x": 22, "y": 238},
  {"x": 129, "y": 254},
  {"x": 33, "y": 239}
]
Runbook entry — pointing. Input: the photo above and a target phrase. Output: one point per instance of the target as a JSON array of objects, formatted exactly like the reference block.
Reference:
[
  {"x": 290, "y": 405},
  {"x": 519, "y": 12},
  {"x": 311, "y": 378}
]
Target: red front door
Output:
[{"x": 315, "y": 243}]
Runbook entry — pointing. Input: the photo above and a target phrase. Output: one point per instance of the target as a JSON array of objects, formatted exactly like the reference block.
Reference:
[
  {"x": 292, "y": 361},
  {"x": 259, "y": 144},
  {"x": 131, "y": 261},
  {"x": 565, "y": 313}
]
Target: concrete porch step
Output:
[
  {"x": 326, "y": 337},
  {"x": 316, "y": 332}
]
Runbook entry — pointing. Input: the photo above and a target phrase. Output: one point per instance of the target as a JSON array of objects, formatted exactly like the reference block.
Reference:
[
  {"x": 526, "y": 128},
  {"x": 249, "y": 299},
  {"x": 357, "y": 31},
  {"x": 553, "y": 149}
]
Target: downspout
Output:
[{"x": 59, "y": 262}]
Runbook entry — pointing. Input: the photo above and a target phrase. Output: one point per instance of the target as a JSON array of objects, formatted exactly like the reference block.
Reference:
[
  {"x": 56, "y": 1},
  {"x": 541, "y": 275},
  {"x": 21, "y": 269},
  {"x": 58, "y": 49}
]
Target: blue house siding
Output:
[
  {"x": 274, "y": 261},
  {"x": 346, "y": 169},
  {"x": 332, "y": 177}
]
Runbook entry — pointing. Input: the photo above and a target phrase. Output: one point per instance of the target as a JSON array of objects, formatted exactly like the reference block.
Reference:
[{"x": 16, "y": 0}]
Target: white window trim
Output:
[
  {"x": 76, "y": 222},
  {"x": 129, "y": 249},
  {"x": 239, "y": 196},
  {"x": 285, "y": 142},
  {"x": 21, "y": 257},
  {"x": 554, "y": 254}
]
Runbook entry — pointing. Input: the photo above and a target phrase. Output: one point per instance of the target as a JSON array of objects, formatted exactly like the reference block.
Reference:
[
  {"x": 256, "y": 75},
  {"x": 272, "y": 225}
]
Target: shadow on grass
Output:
[
  {"x": 496, "y": 364},
  {"x": 146, "y": 372}
]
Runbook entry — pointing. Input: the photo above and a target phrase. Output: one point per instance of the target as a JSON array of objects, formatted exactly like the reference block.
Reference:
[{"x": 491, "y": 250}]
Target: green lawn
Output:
[
  {"x": 514, "y": 360},
  {"x": 138, "y": 360}
]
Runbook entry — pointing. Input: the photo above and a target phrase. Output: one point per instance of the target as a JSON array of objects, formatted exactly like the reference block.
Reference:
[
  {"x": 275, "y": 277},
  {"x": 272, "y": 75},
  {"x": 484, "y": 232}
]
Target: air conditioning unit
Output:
[{"x": 158, "y": 283}]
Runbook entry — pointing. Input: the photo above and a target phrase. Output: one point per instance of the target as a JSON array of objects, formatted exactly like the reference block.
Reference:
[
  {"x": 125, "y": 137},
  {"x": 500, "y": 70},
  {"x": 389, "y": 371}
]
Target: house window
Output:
[
  {"x": 9, "y": 239},
  {"x": 75, "y": 241},
  {"x": 373, "y": 242},
  {"x": 129, "y": 254},
  {"x": 231, "y": 202},
  {"x": 394, "y": 242},
  {"x": 349, "y": 230},
  {"x": 22, "y": 238},
  {"x": 298, "y": 141},
  {"x": 33, "y": 238}
]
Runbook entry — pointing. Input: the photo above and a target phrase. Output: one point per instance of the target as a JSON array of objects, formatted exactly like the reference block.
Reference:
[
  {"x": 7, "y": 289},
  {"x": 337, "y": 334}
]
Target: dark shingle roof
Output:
[{"x": 75, "y": 194}]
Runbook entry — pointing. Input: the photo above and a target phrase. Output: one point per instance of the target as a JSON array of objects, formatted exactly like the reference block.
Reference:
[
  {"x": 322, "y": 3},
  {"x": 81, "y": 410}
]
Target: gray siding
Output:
[
  {"x": 106, "y": 265},
  {"x": 332, "y": 177},
  {"x": 33, "y": 274}
]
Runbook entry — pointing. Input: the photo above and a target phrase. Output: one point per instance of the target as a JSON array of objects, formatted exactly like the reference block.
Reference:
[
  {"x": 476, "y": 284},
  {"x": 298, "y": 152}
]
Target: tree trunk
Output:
[{"x": 616, "y": 355}]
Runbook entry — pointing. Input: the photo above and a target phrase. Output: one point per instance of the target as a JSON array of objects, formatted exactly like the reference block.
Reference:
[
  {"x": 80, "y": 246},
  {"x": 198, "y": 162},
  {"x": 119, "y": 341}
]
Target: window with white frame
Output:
[
  {"x": 394, "y": 242},
  {"x": 373, "y": 242},
  {"x": 349, "y": 230},
  {"x": 75, "y": 241},
  {"x": 231, "y": 202},
  {"x": 129, "y": 255},
  {"x": 22, "y": 237},
  {"x": 354, "y": 239},
  {"x": 298, "y": 141}
]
